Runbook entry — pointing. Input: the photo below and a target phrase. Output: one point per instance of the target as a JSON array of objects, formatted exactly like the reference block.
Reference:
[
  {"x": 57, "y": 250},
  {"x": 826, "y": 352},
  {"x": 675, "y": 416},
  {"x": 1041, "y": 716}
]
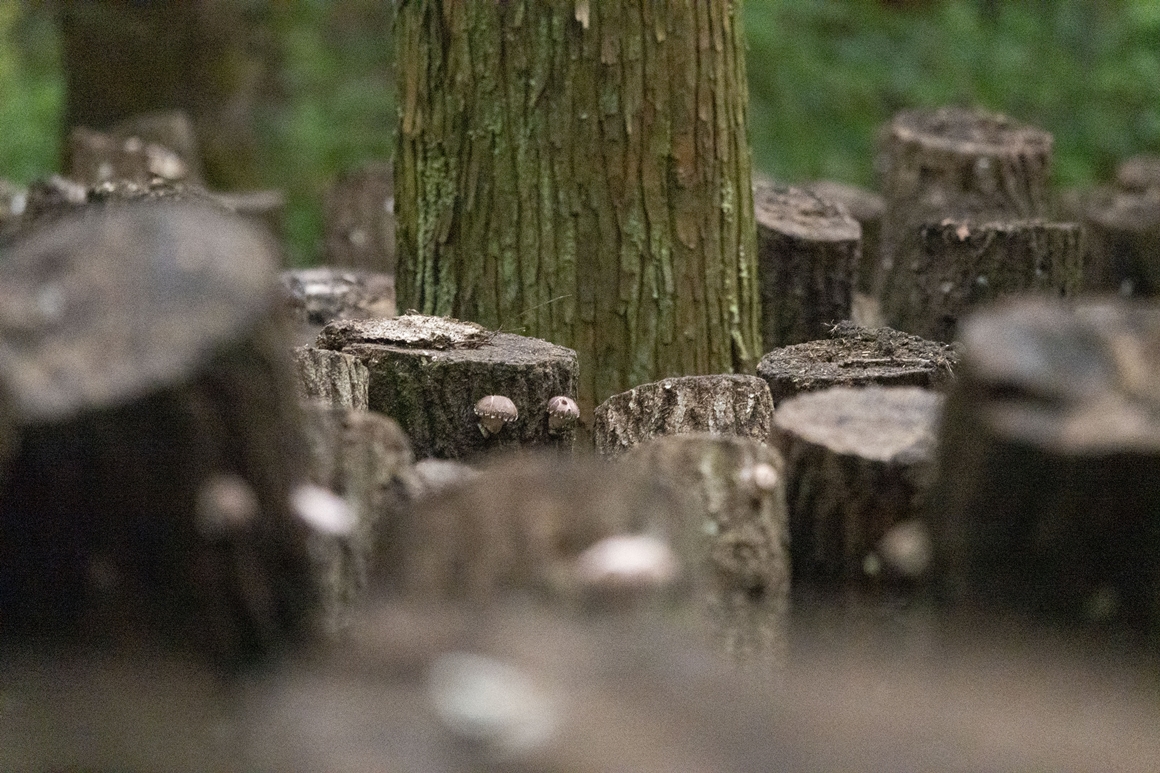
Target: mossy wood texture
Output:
[
  {"x": 580, "y": 172},
  {"x": 427, "y": 373}
]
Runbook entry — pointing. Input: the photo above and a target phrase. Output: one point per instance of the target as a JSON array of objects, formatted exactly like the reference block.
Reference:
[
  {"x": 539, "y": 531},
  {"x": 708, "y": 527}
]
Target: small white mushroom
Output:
[
  {"x": 323, "y": 510},
  {"x": 225, "y": 504},
  {"x": 562, "y": 413},
  {"x": 633, "y": 563},
  {"x": 762, "y": 476},
  {"x": 493, "y": 412}
]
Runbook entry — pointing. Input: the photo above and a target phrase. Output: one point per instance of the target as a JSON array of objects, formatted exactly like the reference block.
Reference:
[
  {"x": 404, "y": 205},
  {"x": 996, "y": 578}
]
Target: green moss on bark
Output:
[{"x": 580, "y": 172}]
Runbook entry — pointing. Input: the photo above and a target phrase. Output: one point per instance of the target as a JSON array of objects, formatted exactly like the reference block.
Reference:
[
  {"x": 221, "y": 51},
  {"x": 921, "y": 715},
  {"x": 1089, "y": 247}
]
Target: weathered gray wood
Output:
[
  {"x": 857, "y": 356},
  {"x": 316, "y": 296},
  {"x": 960, "y": 264},
  {"x": 858, "y": 461},
  {"x": 159, "y": 443},
  {"x": 725, "y": 404},
  {"x": 1048, "y": 486},
  {"x": 359, "y": 219},
  {"x": 365, "y": 458},
  {"x": 867, "y": 207},
  {"x": 808, "y": 250},
  {"x": 954, "y": 163},
  {"x": 428, "y": 373},
  {"x": 331, "y": 377},
  {"x": 735, "y": 538},
  {"x": 1123, "y": 228}
]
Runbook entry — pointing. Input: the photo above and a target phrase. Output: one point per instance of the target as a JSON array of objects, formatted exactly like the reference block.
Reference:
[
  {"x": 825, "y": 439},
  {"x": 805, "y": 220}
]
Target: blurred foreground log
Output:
[
  {"x": 725, "y": 404},
  {"x": 144, "y": 363},
  {"x": 519, "y": 688},
  {"x": 735, "y": 539},
  {"x": 1049, "y": 465}
]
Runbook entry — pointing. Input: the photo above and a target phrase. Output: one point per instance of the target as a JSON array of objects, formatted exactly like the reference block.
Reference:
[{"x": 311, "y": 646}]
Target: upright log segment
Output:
[
  {"x": 150, "y": 497},
  {"x": 1049, "y": 474},
  {"x": 1123, "y": 229},
  {"x": 952, "y": 163},
  {"x": 808, "y": 253},
  {"x": 580, "y": 172},
  {"x": 960, "y": 264}
]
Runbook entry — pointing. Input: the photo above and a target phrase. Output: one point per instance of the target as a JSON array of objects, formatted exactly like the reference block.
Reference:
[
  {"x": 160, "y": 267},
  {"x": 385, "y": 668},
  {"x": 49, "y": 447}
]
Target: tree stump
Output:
[
  {"x": 359, "y": 217},
  {"x": 428, "y": 373},
  {"x": 731, "y": 405},
  {"x": 332, "y": 377},
  {"x": 857, "y": 356},
  {"x": 808, "y": 250},
  {"x": 960, "y": 264},
  {"x": 1048, "y": 485},
  {"x": 159, "y": 443},
  {"x": 867, "y": 208},
  {"x": 1123, "y": 229},
  {"x": 365, "y": 458},
  {"x": 858, "y": 461},
  {"x": 736, "y": 538},
  {"x": 1139, "y": 173},
  {"x": 955, "y": 163},
  {"x": 316, "y": 296}
]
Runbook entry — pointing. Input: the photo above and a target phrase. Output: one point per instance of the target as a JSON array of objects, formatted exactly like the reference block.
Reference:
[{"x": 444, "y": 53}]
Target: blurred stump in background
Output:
[{"x": 359, "y": 219}]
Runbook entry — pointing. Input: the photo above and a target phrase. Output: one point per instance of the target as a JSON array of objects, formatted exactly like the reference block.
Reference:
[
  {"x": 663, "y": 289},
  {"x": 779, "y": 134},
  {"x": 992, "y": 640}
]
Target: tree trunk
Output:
[{"x": 580, "y": 172}]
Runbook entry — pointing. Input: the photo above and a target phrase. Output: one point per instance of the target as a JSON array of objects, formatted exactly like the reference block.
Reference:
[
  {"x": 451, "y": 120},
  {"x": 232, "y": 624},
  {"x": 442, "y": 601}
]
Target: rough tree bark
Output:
[{"x": 579, "y": 172}]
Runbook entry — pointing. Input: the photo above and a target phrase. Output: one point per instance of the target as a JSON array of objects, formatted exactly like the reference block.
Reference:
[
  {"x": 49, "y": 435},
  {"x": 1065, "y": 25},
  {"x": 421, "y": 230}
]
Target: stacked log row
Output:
[
  {"x": 736, "y": 541},
  {"x": 955, "y": 163},
  {"x": 315, "y": 296},
  {"x": 857, "y": 356},
  {"x": 159, "y": 441},
  {"x": 724, "y": 404},
  {"x": 960, "y": 264},
  {"x": 429, "y": 373},
  {"x": 808, "y": 251},
  {"x": 858, "y": 462},
  {"x": 1048, "y": 488}
]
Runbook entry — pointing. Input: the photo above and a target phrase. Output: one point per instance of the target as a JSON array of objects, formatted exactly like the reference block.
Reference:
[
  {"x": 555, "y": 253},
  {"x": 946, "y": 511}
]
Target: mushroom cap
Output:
[
  {"x": 497, "y": 407},
  {"x": 562, "y": 412}
]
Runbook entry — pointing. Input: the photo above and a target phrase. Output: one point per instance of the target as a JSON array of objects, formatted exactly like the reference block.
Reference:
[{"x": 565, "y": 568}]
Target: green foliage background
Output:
[{"x": 824, "y": 75}]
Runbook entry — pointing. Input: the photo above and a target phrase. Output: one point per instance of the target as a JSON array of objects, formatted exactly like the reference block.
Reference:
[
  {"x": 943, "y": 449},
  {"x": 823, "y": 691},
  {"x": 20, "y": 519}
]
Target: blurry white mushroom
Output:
[
  {"x": 632, "y": 563},
  {"x": 225, "y": 504},
  {"x": 562, "y": 413},
  {"x": 761, "y": 476},
  {"x": 905, "y": 549},
  {"x": 323, "y": 510},
  {"x": 490, "y": 703},
  {"x": 493, "y": 412}
]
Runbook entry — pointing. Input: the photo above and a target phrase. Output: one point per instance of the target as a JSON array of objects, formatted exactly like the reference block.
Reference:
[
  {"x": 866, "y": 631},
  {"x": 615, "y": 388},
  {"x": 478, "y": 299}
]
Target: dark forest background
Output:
[{"x": 823, "y": 76}]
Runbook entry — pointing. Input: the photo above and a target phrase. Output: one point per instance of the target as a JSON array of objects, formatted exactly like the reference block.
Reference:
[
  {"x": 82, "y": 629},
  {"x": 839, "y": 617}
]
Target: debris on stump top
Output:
[{"x": 409, "y": 331}]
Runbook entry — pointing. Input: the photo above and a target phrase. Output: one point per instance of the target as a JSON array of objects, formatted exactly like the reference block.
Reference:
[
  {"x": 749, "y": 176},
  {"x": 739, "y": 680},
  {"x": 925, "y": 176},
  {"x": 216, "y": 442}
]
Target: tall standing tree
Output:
[{"x": 579, "y": 170}]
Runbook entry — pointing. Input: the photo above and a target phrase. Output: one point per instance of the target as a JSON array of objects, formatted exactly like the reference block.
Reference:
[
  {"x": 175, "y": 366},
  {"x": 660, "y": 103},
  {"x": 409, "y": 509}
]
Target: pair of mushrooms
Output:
[{"x": 494, "y": 411}]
